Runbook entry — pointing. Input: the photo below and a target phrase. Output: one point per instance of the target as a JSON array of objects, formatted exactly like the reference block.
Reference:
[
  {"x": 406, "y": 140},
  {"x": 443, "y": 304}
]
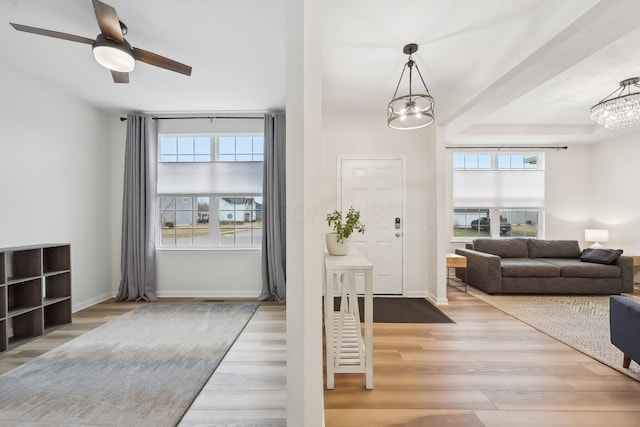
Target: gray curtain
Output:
[
  {"x": 138, "y": 260},
  {"x": 274, "y": 220}
]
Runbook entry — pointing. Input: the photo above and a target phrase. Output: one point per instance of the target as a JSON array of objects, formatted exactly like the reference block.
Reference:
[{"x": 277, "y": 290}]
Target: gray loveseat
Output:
[{"x": 533, "y": 266}]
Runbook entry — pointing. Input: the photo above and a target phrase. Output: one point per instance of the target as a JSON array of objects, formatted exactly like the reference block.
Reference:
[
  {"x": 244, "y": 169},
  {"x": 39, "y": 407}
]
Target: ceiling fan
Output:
[{"x": 110, "y": 48}]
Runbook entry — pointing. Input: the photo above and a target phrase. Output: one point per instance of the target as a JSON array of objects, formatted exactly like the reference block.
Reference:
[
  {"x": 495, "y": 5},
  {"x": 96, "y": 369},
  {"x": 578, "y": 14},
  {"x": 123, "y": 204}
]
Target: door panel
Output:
[{"x": 374, "y": 186}]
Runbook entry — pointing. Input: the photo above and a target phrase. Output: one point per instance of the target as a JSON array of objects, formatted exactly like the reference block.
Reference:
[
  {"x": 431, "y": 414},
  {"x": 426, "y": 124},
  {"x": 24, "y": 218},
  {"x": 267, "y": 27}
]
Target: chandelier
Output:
[
  {"x": 621, "y": 108},
  {"x": 415, "y": 110}
]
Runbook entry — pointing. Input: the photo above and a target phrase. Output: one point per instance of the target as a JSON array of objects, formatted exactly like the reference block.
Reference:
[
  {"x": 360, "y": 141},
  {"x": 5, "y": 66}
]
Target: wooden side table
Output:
[
  {"x": 636, "y": 263},
  {"x": 346, "y": 350},
  {"x": 457, "y": 261}
]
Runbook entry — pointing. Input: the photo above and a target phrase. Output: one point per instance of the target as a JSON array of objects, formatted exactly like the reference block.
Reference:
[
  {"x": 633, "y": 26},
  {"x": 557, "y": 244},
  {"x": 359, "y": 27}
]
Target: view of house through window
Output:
[
  {"x": 209, "y": 191},
  {"x": 474, "y": 223},
  {"x": 497, "y": 195}
]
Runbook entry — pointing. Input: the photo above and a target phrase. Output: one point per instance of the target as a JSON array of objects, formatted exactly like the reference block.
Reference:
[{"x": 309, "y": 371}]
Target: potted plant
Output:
[{"x": 338, "y": 241}]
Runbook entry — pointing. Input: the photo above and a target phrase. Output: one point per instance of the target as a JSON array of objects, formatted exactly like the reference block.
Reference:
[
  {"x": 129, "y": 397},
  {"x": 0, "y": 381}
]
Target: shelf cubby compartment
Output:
[
  {"x": 24, "y": 296},
  {"x": 3, "y": 305},
  {"x": 3, "y": 335},
  {"x": 57, "y": 286},
  {"x": 2, "y": 275},
  {"x": 57, "y": 313},
  {"x": 23, "y": 264},
  {"x": 24, "y": 326},
  {"x": 56, "y": 258}
]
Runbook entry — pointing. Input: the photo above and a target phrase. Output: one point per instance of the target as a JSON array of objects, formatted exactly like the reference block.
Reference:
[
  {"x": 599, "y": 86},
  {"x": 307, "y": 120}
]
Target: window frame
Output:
[
  {"x": 214, "y": 244},
  {"x": 494, "y": 211}
]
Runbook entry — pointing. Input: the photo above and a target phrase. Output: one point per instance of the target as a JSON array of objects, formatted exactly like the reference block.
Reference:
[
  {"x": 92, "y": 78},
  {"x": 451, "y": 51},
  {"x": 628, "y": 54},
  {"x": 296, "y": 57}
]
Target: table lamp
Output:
[{"x": 596, "y": 236}]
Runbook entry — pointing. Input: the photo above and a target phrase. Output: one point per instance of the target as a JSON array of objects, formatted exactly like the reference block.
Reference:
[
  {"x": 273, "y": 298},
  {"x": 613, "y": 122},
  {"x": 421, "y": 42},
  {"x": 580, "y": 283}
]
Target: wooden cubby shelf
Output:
[{"x": 35, "y": 292}]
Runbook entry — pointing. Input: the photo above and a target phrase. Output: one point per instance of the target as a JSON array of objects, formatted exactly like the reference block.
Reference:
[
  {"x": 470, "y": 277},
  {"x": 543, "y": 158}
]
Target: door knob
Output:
[{"x": 397, "y": 234}]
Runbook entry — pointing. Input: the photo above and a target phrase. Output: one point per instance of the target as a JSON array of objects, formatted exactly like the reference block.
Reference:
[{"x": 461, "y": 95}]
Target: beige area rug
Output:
[
  {"x": 142, "y": 369},
  {"x": 579, "y": 321}
]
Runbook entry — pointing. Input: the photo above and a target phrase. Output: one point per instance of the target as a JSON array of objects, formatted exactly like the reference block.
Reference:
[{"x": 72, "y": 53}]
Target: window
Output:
[
  {"x": 504, "y": 161},
  {"x": 521, "y": 222},
  {"x": 472, "y": 161},
  {"x": 210, "y": 190},
  {"x": 497, "y": 195},
  {"x": 185, "y": 149},
  {"x": 517, "y": 161},
  {"x": 185, "y": 221},
  {"x": 241, "y": 149}
]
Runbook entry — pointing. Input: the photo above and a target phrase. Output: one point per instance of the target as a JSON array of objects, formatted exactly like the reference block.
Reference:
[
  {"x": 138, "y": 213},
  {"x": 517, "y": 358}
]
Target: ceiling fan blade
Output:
[
  {"x": 54, "y": 34},
  {"x": 108, "y": 21},
  {"x": 119, "y": 77},
  {"x": 160, "y": 61}
]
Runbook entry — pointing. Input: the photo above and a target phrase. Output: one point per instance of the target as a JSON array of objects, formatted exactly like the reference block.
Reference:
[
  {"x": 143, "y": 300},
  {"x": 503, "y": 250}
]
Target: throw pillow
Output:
[{"x": 600, "y": 256}]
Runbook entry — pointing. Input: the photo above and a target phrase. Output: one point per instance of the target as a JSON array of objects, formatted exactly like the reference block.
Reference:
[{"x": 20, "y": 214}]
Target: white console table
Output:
[{"x": 346, "y": 350}]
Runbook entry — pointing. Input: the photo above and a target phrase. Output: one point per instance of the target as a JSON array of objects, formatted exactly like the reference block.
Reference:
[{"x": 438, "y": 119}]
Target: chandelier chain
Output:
[{"x": 399, "y": 81}]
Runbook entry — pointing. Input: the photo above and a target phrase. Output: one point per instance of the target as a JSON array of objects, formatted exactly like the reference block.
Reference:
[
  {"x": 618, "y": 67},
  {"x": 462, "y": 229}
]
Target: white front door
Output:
[{"x": 375, "y": 187}]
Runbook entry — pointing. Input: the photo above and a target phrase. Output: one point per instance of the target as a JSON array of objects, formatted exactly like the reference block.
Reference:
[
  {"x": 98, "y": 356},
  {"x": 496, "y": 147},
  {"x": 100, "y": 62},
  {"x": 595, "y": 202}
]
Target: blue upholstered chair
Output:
[{"x": 624, "y": 320}]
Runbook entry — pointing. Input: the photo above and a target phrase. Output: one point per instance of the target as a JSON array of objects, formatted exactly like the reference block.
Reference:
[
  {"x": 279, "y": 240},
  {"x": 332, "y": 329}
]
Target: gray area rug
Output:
[
  {"x": 579, "y": 321},
  {"x": 143, "y": 368}
]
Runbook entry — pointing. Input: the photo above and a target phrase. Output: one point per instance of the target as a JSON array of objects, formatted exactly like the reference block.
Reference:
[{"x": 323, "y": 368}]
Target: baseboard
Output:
[
  {"x": 88, "y": 303},
  {"x": 416, "y": 294},
  {"x": 208, "y": 294},
  {"x": 440, "y": 301}
]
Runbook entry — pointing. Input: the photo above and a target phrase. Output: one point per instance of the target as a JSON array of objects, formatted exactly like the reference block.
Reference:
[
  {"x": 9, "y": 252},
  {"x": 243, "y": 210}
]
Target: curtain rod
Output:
[
  {"x": 499, "y": 147},
  {"x": 122, "y": 119}
]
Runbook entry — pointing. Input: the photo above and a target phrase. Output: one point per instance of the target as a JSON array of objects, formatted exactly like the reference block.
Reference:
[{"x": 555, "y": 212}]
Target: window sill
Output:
[{"x": 204, "y": 251}]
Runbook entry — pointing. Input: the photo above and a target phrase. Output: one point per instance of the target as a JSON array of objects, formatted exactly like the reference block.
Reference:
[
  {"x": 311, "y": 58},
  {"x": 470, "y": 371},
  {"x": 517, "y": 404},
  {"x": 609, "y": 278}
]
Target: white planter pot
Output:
[{"x": 337, "y": 248}]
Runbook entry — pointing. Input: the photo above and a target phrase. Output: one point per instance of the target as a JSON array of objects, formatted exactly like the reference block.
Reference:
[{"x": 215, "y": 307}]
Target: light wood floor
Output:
[
  {"x": 487, "y": 369},
  {"x": 247, "y": 389}
]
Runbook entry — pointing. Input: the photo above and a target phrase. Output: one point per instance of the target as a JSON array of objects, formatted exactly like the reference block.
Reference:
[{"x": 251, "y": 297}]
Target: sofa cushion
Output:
[
  {"x": 600, "y": 256},
  {"x": 504, "y": 248},
  {"x": 574, "y": 267},
  {"x": 527, "y": 267},
  {"x": 553, "y": 248}
]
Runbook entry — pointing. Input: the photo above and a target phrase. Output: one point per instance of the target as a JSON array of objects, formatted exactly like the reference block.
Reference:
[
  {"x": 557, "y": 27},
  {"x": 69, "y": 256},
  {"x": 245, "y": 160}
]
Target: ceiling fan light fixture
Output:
[
  {"x": 621, "y": 108},
  {"x": 415, "y": 110},
  {"x": 113, "y": 55}
]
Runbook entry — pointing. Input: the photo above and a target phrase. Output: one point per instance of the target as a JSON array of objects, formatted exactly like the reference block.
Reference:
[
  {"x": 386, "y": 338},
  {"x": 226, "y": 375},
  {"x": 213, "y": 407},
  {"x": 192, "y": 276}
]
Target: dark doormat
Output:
[{"x": 400, "y": 310}]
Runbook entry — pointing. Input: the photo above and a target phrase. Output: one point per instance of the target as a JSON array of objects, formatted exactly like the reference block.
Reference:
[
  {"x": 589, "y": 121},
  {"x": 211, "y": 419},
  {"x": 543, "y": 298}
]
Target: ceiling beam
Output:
[{"x": 601, "y": 25}]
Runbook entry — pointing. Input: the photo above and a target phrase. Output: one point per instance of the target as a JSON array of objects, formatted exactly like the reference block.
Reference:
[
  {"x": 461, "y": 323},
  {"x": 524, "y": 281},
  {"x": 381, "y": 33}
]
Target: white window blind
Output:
[
  {"x": 210, "y": 178},
  {"x": 498, "y": 188}
]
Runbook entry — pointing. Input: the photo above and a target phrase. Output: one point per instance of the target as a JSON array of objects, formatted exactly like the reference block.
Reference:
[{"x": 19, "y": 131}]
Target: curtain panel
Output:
[
  {"x": 274, "y": 199},
  {"x": 138, "y": 258}
]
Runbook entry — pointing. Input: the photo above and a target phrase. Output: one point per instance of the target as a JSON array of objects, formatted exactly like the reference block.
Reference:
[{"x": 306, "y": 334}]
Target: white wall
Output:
[
  {"x": 305, "y": 398},
  {"x": 568, "y": 192},
  {"x": 118, "y": 144},
  {"x": 353, "y": 135},
  {"x": 616, "y": 194},
  {"x": 55, "y": 178}
]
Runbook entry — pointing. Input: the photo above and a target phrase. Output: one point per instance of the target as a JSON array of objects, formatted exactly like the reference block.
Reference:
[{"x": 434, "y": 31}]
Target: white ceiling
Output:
[{"x": 500, "y": 71}]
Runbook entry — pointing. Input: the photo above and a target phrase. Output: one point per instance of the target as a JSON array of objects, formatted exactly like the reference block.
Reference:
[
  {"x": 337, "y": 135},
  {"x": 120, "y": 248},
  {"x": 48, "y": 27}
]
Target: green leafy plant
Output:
[{"x": 344, "y": 227}]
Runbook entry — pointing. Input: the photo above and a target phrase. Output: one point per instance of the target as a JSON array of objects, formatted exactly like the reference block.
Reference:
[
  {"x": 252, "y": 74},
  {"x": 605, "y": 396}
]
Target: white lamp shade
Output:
[
  {"x": 112, "y": 55},
  {"x": 114, "y": 59},
  {"x": 594, "y": 235}
]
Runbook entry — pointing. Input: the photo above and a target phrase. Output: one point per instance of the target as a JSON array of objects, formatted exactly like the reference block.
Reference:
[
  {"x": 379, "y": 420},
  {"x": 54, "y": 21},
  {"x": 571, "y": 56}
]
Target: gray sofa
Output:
[{"x": 533, "y": 266}]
